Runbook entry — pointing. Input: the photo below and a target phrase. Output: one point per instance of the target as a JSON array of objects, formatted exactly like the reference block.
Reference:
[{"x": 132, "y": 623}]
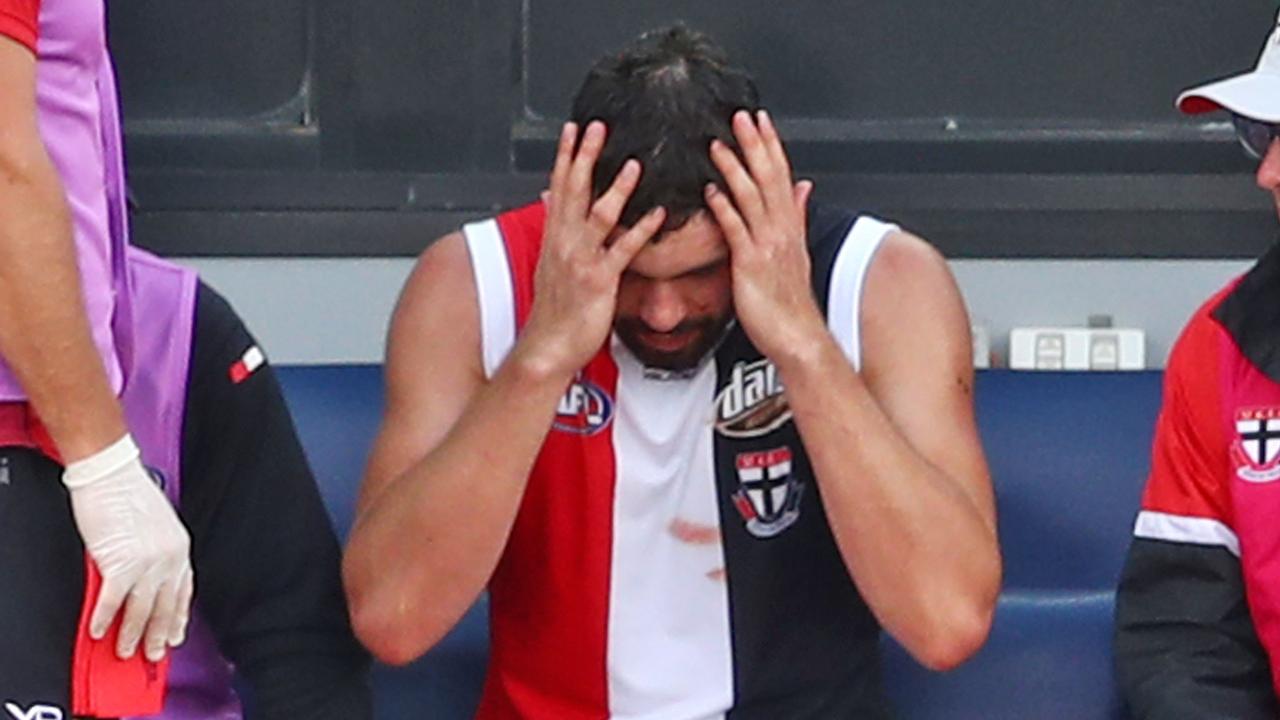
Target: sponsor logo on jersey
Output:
[
  {"x": 768, "y": 496},
  {"x": 1256, "y": 449},
  {"x": 35, "y": 712},
  {"x": 585, "y": 409},
  {"x": 752, "y": 403}
]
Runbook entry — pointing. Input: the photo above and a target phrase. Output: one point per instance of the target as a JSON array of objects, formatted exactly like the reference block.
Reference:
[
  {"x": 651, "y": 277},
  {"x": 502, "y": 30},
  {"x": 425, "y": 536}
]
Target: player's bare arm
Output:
[
  {"x": 413, "y": 568},
  {"x": 44, "y": 335},
  {"x": 894, "y": 446}
]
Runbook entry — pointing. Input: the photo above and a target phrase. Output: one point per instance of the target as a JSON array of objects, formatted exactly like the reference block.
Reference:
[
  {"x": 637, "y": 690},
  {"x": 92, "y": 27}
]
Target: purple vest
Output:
[
  {"x": 163, "y": 297},
  {"x": 78, "y": 120},
  {"x": 140, "y": 308}
]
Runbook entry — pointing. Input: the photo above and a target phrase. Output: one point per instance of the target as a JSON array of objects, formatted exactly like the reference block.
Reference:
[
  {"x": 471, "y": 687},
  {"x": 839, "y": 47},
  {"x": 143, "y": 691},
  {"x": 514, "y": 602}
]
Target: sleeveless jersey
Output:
[{"x": 671, "y": 557}]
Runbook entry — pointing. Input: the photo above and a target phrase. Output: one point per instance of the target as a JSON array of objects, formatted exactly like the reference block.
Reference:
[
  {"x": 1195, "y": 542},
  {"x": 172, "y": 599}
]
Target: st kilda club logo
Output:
[
  {"x": 1256, "y": 449},
  {"x": 769, "y": 493},
  {"x": 585, "y": 409}
]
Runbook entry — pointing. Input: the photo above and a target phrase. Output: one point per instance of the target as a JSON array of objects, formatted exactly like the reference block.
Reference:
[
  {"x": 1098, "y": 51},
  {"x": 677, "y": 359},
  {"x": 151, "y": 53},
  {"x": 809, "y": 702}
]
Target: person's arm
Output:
[
  {"x": 1185, "y": 644},
  {"x": 128, "y": 528},
  {"x": 44, "y": 333},
  {"x": 449, "y": 467},
  {"x": 263, "y": 546},
  {"x": 894, "y": 446}
]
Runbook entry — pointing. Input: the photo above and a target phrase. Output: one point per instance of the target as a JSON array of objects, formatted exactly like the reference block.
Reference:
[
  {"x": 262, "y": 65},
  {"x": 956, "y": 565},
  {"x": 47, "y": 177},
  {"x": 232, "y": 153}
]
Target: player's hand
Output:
[
  {"x": 583, "y": 254},
  {"x": 139, "y": 546},
  {"x": 765, "y": 226}
]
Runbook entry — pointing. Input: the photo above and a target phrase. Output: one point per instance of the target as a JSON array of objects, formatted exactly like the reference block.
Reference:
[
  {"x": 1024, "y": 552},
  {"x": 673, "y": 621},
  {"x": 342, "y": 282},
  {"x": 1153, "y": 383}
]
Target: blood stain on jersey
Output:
[
  {"x": 693, "y": 533},
  {"x": 247, "y": 364},
  {"x": 1256, "y": 449},
  {"x": 769, "y": 493}
]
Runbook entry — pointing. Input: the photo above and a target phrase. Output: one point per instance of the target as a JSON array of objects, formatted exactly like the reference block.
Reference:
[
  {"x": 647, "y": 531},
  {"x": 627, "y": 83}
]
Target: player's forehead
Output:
[{"x": 696, "y": 244}]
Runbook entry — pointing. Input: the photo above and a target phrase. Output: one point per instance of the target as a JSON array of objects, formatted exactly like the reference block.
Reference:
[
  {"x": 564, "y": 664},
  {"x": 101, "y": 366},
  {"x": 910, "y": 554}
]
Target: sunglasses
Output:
[{"x": 1255, "y": 135}]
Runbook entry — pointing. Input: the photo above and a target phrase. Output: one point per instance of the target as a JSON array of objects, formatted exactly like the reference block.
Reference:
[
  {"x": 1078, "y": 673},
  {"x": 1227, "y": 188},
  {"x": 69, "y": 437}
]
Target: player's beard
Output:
[{"x": 703, "y": 335}]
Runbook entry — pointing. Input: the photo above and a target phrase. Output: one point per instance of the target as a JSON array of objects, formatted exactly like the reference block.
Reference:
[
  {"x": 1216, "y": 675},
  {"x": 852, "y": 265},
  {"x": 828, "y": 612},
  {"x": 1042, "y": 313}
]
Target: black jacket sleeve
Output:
[
  {"x": 1185, "y": 642},
  {"x": 265, "y": 556}
]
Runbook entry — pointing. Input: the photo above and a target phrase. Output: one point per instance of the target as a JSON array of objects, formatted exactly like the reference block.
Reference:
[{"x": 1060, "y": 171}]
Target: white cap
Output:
[{"x": 1253, "y": 94}]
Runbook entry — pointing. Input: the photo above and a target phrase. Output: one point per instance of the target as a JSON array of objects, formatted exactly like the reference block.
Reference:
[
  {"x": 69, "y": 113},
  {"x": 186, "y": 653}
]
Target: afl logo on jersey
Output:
[
  {"x": 585, "y": 409},
  {"x": 752, "y": 403},
  {"x": 1257, "y": 445}
]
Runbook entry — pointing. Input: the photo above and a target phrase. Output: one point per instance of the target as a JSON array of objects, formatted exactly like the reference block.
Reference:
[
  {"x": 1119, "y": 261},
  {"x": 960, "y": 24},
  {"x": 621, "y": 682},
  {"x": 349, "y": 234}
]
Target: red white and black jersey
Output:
[
  {"x": 671, "y": 557},
  {"x": 1198, "y": 609}
]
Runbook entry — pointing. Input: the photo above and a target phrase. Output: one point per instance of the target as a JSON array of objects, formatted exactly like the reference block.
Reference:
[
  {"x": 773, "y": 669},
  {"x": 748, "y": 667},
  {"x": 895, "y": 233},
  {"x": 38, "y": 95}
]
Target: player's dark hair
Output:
[{"x": 663, "y": 98}]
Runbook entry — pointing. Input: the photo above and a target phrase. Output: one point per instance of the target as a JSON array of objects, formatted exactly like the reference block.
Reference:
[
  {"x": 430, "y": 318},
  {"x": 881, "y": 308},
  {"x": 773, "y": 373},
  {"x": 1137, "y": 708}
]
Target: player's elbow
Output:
[
  {"x": 956, "y": 637},
  {"x": 384, "y": 638},
  {"x": 374, "y": 620}
]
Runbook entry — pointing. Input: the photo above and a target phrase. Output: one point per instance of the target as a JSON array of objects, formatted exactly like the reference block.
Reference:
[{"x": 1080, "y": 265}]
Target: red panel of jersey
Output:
[
  {"x": 533, "y": 590},
  {"x": 19, "y": 20}
]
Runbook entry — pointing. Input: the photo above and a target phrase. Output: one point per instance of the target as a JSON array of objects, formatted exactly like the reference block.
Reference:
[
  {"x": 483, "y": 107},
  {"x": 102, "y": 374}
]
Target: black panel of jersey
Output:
[{"x": 805, "y": 642}]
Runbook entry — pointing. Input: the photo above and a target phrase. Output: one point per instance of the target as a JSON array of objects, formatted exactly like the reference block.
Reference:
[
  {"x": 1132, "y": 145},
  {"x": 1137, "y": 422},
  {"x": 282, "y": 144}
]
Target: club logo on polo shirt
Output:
[
  {"x": 585, "y": 409},
  {"x": 752, "y": 403},
  {"x": 1256, "y": 449},
  {"x": 768, "y": 496},
  {"x": 35, "y": 712}
]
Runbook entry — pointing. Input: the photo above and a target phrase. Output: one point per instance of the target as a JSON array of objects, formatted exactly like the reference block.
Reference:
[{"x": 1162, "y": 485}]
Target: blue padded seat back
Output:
[
  {"x": 1069, "y": 455},
  {"x": 1048, "y": 658},
  {"x": 337, "y": 409}
]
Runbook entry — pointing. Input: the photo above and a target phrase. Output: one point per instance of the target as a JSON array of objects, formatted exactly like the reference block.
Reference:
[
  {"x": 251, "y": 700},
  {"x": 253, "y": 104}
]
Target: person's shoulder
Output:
[
  {"x": 1248, "y": 311},
  {"x": 908, "y": 272},
  {"x": 910, "y": 256},
  {"x": 440, "y": 267},
  {"x": 215, "y": 318}
]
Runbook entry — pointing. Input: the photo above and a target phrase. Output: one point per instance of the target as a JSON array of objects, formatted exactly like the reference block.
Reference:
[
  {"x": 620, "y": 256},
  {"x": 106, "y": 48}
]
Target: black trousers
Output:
[{"x": 41, "y": 586}]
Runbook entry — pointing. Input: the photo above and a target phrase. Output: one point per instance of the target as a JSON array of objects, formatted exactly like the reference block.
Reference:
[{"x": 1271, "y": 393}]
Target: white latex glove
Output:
[{"x": 140, "y": 547}]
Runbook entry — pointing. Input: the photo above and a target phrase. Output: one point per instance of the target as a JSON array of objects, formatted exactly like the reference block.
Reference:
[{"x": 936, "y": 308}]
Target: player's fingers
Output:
[
  {"x": 773, "y": 143},
  {"x": 138, "y": 609},
  {"x": 156, "y": 635},
  {"x": 110, "y": 598},
  {"x": 759, "y": 160},
  {"x": 746, "y": 195},
  {"x": 564, "y": 160},
  {"x": 576, "y": 197},
  {"x": 803, "y": 191},
  {"x": 606, "y": 210},
  {"x": 182, "y": 609},
  {"x": 731, "y": 223},
  {"x": 630, "y": 242}
]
